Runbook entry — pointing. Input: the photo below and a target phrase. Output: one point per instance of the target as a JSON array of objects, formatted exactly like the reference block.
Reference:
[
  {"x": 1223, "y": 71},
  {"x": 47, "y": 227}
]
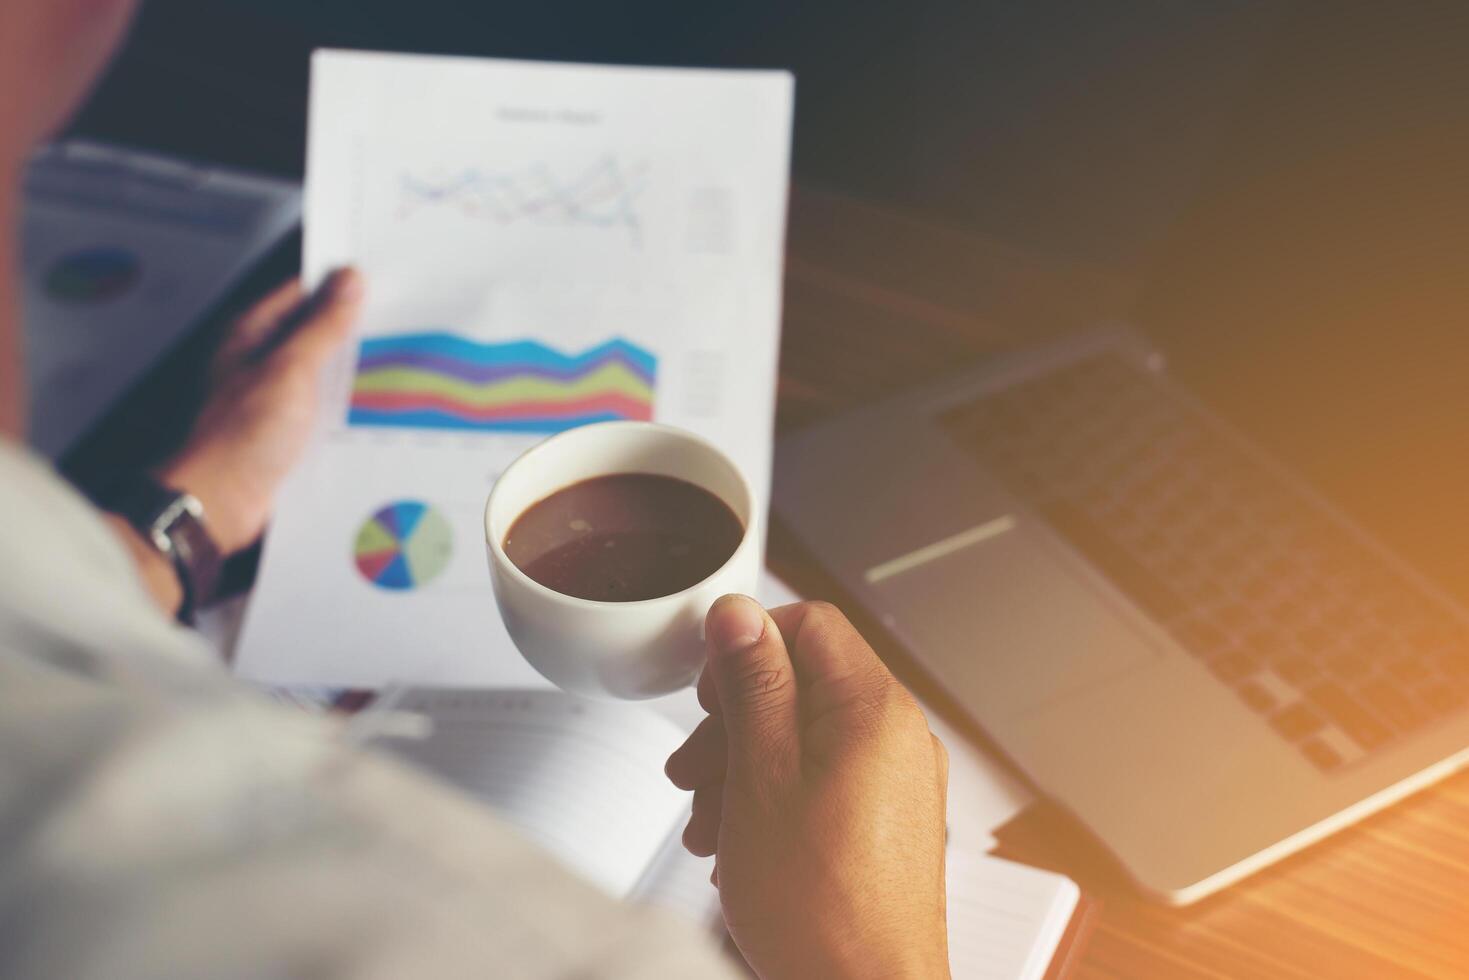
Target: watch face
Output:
[
  {"x": 169, "y": 515},
  {"x": 191, "y": 504},
  {"x": 161, "y": 540},
  {"x": 173, "y": 521}
]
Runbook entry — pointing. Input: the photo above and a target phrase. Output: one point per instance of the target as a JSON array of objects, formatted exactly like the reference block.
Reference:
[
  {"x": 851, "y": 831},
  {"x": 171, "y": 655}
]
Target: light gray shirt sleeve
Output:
[{"x": 158, "y": 820}]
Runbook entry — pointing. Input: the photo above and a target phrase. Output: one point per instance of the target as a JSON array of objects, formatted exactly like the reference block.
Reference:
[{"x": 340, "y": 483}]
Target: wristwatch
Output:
[{"x": 173, "y": 522}]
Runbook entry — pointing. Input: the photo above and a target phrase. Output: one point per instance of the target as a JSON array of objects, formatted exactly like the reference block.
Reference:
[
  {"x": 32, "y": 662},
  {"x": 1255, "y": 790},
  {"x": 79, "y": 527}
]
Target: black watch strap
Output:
[{"x": 173, "y": 522}]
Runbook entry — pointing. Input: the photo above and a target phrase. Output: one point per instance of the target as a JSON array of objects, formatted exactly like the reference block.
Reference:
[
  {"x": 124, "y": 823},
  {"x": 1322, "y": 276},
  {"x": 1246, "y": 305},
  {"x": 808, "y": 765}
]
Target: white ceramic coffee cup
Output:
[{"x": 616, "y": 649}]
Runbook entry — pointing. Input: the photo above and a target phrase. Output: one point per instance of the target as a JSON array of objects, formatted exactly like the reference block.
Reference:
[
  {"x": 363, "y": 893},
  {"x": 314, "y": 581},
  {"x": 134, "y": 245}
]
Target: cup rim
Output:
[{"x": 497, "y": 549}]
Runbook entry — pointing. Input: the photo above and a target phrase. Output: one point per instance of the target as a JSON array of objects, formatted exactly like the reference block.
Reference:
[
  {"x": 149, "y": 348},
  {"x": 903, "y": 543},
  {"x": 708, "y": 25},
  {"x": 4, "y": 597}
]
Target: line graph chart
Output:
[{"x": 603, "y": 196}]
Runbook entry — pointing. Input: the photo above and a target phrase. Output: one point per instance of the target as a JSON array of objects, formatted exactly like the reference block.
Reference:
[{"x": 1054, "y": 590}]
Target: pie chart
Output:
[
  {"x": 403, "y": 546},
  {"x": 93, "y": 276}
]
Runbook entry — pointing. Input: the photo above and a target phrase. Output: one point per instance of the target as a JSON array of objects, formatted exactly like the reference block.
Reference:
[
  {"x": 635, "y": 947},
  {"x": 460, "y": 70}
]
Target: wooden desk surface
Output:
[{"x": 876, "y": 301}]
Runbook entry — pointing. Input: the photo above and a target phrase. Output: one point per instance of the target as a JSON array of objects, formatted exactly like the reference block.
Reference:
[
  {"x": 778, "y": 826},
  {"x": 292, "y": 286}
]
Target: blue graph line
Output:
[
  {"x": 604, "y": 195},
  {"x": 518, "y": 355}
]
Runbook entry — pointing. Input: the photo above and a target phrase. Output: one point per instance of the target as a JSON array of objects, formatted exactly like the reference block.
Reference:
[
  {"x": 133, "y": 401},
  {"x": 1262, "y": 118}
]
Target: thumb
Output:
[{"x": 756, "y": 686}]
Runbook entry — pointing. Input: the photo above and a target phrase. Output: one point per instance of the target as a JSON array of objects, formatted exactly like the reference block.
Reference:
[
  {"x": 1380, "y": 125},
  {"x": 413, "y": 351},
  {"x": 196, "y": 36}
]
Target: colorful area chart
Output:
[
  {"x": 93, "y": 276},
  {"x": 444, "y": 381},
  {"x": 403, "y": 546}
]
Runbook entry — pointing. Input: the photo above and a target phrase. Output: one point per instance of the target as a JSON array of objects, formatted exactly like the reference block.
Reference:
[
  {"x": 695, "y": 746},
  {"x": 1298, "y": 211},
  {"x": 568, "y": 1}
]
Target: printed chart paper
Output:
[{"x": 545, "y": 246}]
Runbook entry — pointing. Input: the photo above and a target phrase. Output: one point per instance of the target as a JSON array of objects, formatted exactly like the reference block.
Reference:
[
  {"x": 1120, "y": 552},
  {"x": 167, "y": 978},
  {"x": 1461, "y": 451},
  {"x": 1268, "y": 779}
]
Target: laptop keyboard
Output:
[{"x": 1310, "y": 627}]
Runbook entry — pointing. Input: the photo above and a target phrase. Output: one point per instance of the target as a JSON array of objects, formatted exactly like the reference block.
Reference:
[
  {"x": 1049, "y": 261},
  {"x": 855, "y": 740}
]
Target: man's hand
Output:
[
  {"x": 262, "y": 403},
  {"x": 821, "y": 790}
]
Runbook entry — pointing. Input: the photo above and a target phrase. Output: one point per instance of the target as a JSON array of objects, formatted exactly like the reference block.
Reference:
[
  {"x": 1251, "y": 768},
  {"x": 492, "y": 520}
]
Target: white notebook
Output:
[
  {"x": 585, "y": 781},
  {"x": 1005, "y": 919}
]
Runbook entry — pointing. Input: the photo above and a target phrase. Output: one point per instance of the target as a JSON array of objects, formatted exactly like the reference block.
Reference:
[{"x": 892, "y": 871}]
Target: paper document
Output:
[
  {"x": 121, "y": 253},
  {"x": 1005, "y": 919},
  {"x": 583, "y": 779},
  {"x": 545, "y": 245}
]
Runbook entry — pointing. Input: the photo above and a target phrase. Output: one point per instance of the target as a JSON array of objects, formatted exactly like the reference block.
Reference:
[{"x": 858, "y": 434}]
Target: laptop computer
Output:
[{"x": 1176, "y": 638}]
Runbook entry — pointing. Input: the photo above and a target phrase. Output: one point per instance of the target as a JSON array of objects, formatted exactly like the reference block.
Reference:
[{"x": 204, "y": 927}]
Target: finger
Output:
[
  {"x": 708, "y": 697},
  {"x": 323, "y": 322},
  {"x": 941, "y": 760},
  {"x": 701, "y": 835},
  {"x": 779, "y": 613},
  {"x": 788, "y": 618},
  {"x": 835, "y": 665},
  {"x": 258, "y": 324},
  {"x": 941, "y": 757},
  {"x": 260, "y": 320},
  {"x": 756, "y": 685},
  {"x": 700, "y": 761}
]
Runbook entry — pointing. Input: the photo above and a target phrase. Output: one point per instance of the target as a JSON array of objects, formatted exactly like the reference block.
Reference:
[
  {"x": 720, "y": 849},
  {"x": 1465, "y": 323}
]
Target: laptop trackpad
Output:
[{"x": 1001, "y": 622}]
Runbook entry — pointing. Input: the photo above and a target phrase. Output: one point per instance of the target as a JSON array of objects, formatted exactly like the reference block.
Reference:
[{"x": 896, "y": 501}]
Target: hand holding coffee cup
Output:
[{"x": 607, "y": 546}]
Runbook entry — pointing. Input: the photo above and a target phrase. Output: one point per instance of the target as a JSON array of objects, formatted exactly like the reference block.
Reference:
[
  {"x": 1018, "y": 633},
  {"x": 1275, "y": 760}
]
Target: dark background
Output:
[
  {"x": 1282, "y": 182},
  {"x": 1076, "y": 124}
]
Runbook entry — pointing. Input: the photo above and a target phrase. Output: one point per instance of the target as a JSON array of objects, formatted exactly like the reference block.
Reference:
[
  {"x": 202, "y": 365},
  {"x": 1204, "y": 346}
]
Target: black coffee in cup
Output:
[{"x": 624, "y": 537}]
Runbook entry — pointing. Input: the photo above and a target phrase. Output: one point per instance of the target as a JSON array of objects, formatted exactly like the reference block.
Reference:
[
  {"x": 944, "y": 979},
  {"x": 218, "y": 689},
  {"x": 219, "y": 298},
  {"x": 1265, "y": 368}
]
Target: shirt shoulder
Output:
[
  {"x": 162, "y": 820},
  {"x": 66, "y": 582}
]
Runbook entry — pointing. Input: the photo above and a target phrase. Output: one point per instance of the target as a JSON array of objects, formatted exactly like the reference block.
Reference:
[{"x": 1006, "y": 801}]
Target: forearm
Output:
[{"x": 154, "y": 570}]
